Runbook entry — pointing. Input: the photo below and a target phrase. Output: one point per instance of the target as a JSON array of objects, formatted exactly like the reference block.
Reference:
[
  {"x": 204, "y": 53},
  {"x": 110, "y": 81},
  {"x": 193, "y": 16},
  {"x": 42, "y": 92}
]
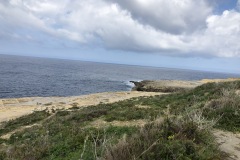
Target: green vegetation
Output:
[
  {"x": 168, "y": 140},
  {"x": 179, "y": 127},
  {"x": 11, "y": 125}
]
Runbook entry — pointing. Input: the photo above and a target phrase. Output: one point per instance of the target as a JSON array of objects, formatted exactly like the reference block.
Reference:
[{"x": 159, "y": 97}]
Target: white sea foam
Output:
[{"x": 130, "y": 84}]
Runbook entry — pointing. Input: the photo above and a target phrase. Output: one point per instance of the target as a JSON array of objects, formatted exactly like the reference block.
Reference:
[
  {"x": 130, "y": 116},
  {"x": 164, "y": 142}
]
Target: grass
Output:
[
  {"x": 227, "y": 108},
  {"x": 63, "y": 141},
  {"x": 184, "y": 134},
  {"x": 23, "y": 121}
]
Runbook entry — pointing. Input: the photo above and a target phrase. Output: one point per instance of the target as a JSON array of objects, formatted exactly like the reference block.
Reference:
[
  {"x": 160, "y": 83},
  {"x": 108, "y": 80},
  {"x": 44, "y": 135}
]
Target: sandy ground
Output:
[
  {"x": 229, "y": 143},
  {"x": 218, "y": 80},
  {"x": 17, "y": 107}
]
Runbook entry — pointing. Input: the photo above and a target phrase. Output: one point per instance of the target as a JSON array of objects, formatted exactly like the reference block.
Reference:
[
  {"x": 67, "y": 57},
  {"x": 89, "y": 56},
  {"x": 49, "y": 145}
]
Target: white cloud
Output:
[
  {"x": 224, "y": 33},
  {"x": 171, "y": 16},
  {"x": 171, "y": 27}
]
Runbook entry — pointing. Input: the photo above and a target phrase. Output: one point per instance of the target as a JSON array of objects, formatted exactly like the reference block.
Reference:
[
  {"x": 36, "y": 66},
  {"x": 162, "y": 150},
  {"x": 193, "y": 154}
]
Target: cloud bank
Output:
[{"x": 173, "y": 27}]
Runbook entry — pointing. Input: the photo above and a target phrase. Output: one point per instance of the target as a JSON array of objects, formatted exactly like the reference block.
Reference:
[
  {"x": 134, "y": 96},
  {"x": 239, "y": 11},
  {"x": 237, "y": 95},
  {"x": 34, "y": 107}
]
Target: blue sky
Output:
[{"x": 189, "y": 34}]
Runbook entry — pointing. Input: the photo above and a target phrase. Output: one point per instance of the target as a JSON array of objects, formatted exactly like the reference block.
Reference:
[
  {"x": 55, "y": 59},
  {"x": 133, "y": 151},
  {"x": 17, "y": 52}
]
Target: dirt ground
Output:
[
  {"x": 17, "y": 107},
  {"x": 229, "y": 143}
]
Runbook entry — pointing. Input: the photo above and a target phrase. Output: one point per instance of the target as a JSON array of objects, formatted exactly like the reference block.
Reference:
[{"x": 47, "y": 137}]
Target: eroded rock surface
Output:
[{"x": 164, "y": 85}]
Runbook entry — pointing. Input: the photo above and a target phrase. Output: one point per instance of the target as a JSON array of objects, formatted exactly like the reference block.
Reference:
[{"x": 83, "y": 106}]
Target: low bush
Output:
[
  {"x": 227, "y": 110},
  {"x": 169, "y": 140}
]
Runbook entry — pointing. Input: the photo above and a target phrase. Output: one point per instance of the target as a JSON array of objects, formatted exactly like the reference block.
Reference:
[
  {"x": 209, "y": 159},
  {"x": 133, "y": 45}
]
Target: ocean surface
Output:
[{"x": 31, "y": 77}]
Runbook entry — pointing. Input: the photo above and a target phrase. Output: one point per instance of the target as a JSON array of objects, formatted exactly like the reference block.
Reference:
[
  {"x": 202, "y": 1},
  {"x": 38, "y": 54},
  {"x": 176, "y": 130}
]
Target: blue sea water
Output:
[{"x": 30, "y": 77}]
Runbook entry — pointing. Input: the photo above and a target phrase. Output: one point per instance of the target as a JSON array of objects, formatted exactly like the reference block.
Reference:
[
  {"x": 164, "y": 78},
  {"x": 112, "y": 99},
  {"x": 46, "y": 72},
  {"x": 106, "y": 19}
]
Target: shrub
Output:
[
  {"x": 23, "y": 121},
  {"x": 227, "y": 109},
  {"x": 168, "y": 140}
]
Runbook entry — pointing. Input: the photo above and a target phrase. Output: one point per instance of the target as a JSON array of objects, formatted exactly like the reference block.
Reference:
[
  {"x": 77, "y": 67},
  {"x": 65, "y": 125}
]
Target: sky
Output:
[{"x": 187, "y": 34}]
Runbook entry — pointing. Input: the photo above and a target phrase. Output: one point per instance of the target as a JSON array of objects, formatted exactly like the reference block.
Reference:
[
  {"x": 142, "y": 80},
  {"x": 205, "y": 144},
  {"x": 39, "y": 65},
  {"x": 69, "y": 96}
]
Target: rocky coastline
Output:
[
  {"x": 166, "y": 86},
  {"x": 170, "y": 86}
]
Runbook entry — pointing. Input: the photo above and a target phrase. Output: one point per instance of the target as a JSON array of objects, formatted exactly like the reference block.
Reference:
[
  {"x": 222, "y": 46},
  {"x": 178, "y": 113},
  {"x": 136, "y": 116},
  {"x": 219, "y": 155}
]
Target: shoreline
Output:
[{"x": 12, "y": 108}]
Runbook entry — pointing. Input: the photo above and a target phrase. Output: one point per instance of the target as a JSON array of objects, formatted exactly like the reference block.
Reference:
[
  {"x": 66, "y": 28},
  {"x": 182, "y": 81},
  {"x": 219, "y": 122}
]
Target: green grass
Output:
[
  {"x": 23, "y": 121},
  {"x": 69, "y": 134},
  {"x": 227, "y": 110},
  {"x": 63, "y": 141}
]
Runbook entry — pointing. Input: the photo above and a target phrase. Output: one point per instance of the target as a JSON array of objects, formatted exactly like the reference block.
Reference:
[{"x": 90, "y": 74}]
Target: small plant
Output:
[
  {"x": 48, "y": 104},
  {"x": 74, "y": 105}
]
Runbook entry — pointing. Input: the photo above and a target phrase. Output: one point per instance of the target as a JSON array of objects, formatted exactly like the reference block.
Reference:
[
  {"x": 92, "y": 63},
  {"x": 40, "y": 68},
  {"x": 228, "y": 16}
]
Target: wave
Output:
[{"x": 130, "y": 85}]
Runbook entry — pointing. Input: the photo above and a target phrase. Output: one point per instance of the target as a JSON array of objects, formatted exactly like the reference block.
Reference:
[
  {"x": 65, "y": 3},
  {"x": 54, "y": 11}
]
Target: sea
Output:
[{"x": 42, "y": 77}]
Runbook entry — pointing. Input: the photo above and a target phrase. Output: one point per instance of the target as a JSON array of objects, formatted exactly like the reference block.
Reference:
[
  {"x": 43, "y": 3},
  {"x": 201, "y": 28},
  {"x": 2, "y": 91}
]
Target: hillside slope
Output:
[{"x": 170, "y": 126}]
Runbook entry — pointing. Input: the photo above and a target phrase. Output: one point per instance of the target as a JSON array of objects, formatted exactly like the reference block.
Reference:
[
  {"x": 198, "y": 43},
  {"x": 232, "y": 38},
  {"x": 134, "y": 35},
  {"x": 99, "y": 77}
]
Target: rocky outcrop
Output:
[{"x": 164, "y": 85}]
